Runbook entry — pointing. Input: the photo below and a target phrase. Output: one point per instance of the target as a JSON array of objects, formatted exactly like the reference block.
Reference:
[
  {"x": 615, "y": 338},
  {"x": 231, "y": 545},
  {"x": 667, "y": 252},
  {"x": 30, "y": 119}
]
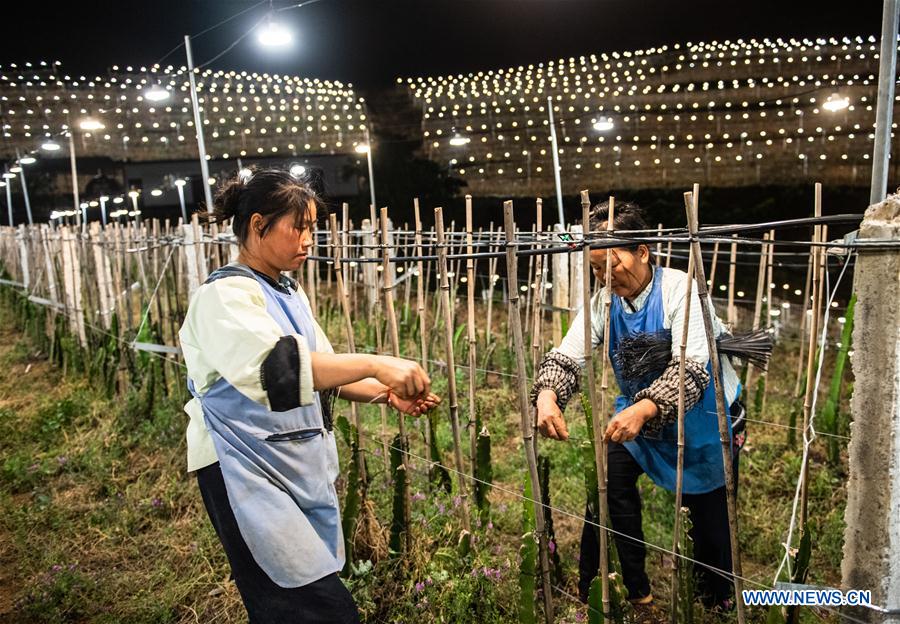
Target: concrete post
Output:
[{"x": 872, "y": 537}]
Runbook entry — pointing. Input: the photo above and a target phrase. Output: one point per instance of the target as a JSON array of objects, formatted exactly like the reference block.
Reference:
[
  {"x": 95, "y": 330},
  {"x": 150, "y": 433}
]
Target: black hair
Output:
[
  {"x": 270, "y": 192},
  {"x": 627, "y": 216}
]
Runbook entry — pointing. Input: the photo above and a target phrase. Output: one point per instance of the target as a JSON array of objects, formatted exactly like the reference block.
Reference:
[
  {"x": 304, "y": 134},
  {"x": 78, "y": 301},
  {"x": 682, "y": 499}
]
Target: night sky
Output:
[{"x": 371, "y": 42}]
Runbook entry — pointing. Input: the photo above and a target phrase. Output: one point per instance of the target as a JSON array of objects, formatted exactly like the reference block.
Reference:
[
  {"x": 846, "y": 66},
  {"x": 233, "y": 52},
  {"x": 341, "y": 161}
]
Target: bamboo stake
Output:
[
  {"x": 375, "y": 314},
  {"x": 669, "y": 254},
  {"x": 724, "y": 438},
  {"x": 811, "y": 354},
  {"x": 344, "y": 299},
  {"x": 311, "y": 267},
  {"x": 388, "y": 288},
  {"x": 421, "y": 311},
  {"x": 804, "y": 308},
  {"x": 679, "y": 466},
  {"x": 659, "y": 228},
  {"x": 451, "y": 366},
  {"x": 537, "y": 299},
  {"x": 770, "y": 258},
  {"x": 492, "y": 270},
  {"x": 757, "y": 310},
  {"x": 732, "y": 267},
  {"x": 598, "y": 404},
  {"x": 527, "y": 424},
  {"x": 472, "y": 337},
  {"x": 712, "y": 268}
]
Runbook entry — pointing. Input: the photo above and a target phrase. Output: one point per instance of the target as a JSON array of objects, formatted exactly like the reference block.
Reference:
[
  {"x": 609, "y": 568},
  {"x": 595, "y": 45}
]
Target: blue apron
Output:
[
  {"x": 657, "y": 454},
  {"x": 279, "y": 467}
]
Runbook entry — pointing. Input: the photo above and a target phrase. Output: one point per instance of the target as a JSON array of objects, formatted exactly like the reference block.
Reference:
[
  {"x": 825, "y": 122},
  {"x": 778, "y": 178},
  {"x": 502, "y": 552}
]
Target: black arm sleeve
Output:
[{"x": 280, "y": 375}]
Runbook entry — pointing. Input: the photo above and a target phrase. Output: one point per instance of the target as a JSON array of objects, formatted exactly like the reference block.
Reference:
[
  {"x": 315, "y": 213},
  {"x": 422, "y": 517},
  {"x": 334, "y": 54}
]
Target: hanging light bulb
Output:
[
  {"x": 604, "y": 124},
  {"x": 50, "y": 146},
  {"x": 458, "y": 140},
  {"x": 836, "y": 102},
  {"x": 362, "y": 148},
  {"x": 273, "y": 35},
  {"x": 297, "y": 170},
  {"x": 89, "y": 123},
  {"x": 27, "y": 160},
  {"x": 156, "y": 93}
]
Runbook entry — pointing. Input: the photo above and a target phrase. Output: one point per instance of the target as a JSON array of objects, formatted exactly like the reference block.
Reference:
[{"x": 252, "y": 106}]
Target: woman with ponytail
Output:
[{"x": 263, "y": 376}]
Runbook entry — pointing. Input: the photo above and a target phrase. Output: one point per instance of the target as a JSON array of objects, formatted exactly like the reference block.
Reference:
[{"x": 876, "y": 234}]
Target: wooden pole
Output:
[
  {"x": 537, "y": 298},
  {"x": 659, "y": 228},
  {"x": 344, "y": 299},
  {"x": 527, "y": 423},
  {"x": 724, "y": 438},
  {"x": 770, "y": 261},
  {"x": 732, "y": 267},
  {"x": 811, "y": 354},
  {"x": 598, "y": 404},
  {"x": 803, "y": 323},
  {"x": 472, "y": 336},
  {"x": 679, "y": 466},
  {"x": 451, "y": 366},
  {"x": 757, "y": 312},
  {"x": 712, "y": 268},
  {"x": 388, "y": 287},
  {"x": 421, "y": 311},
  {"x": 492, "y": 270}
]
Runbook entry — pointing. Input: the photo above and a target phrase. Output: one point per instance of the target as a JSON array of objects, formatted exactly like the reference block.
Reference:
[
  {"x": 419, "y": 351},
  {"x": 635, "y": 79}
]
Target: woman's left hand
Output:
[
  {"x": 415, "y": 407},
  {"x": 627, "y": 423}
]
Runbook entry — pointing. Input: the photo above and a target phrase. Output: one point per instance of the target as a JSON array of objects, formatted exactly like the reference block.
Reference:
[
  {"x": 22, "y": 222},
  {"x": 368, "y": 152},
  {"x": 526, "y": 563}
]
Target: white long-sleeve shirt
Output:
[
  {"x": 673, "y": 289},
  {"x": 228, "y": 332}
]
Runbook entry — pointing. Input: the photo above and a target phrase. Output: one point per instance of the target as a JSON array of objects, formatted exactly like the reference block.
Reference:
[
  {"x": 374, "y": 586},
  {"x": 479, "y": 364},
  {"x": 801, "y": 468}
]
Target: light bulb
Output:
[
  {"x": 50, "y": 146},
  {"x": 836, "y": 102},
  {"x": 156, "y": 93},
  {"x": 273, "y": 35},
  {"x": 90, "y": 124}
]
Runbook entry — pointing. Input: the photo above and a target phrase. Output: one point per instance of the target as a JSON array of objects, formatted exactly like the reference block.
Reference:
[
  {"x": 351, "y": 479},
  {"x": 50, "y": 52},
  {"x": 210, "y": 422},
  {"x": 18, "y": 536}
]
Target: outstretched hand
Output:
[{"x": 414, "y": 407}]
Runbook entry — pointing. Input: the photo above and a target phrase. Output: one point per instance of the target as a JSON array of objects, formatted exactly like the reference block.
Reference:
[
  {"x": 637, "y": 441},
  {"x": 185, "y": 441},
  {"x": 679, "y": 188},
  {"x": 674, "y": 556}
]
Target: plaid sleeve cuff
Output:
[
  {"x": 559, "y": 373},
  {"x": 664, "y": 393}
]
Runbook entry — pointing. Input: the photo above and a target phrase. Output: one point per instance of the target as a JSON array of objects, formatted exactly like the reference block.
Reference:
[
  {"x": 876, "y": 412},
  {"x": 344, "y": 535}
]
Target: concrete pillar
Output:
[{"x": 872, "y": 537}]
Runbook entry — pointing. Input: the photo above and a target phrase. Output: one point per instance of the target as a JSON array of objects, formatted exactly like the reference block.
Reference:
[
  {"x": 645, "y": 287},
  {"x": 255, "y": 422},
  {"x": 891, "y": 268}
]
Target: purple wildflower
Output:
[
  {"x": 156, "y": 502},
  {"x": 420, "y": 587},
  {"x": 457, "y": 500},
  {"x": 418, "y": 496},
  {"x": 579, "y": 616},
  {"x": 552, "y": 546},
  {"x": 56, "y": 567},
  {"x": 62, "y": 460}
]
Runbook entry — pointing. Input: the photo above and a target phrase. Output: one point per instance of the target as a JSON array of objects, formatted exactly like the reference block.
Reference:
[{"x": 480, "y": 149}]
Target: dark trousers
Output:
[
  {"x": 709, "y": 515},
  {"x": 324, "y": 601}
]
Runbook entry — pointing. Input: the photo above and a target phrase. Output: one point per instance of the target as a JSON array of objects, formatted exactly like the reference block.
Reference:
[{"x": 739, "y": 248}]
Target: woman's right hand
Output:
[
  {"x": 550, "y": 419},
  {"x": 404, "y": 377}
]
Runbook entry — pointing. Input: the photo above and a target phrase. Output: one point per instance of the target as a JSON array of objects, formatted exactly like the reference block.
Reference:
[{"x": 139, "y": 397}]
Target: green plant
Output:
[
  {"x": 831, "y": 414},
  {"x": 484, "y": 475},
  {"x": 528, "y": 554}
]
